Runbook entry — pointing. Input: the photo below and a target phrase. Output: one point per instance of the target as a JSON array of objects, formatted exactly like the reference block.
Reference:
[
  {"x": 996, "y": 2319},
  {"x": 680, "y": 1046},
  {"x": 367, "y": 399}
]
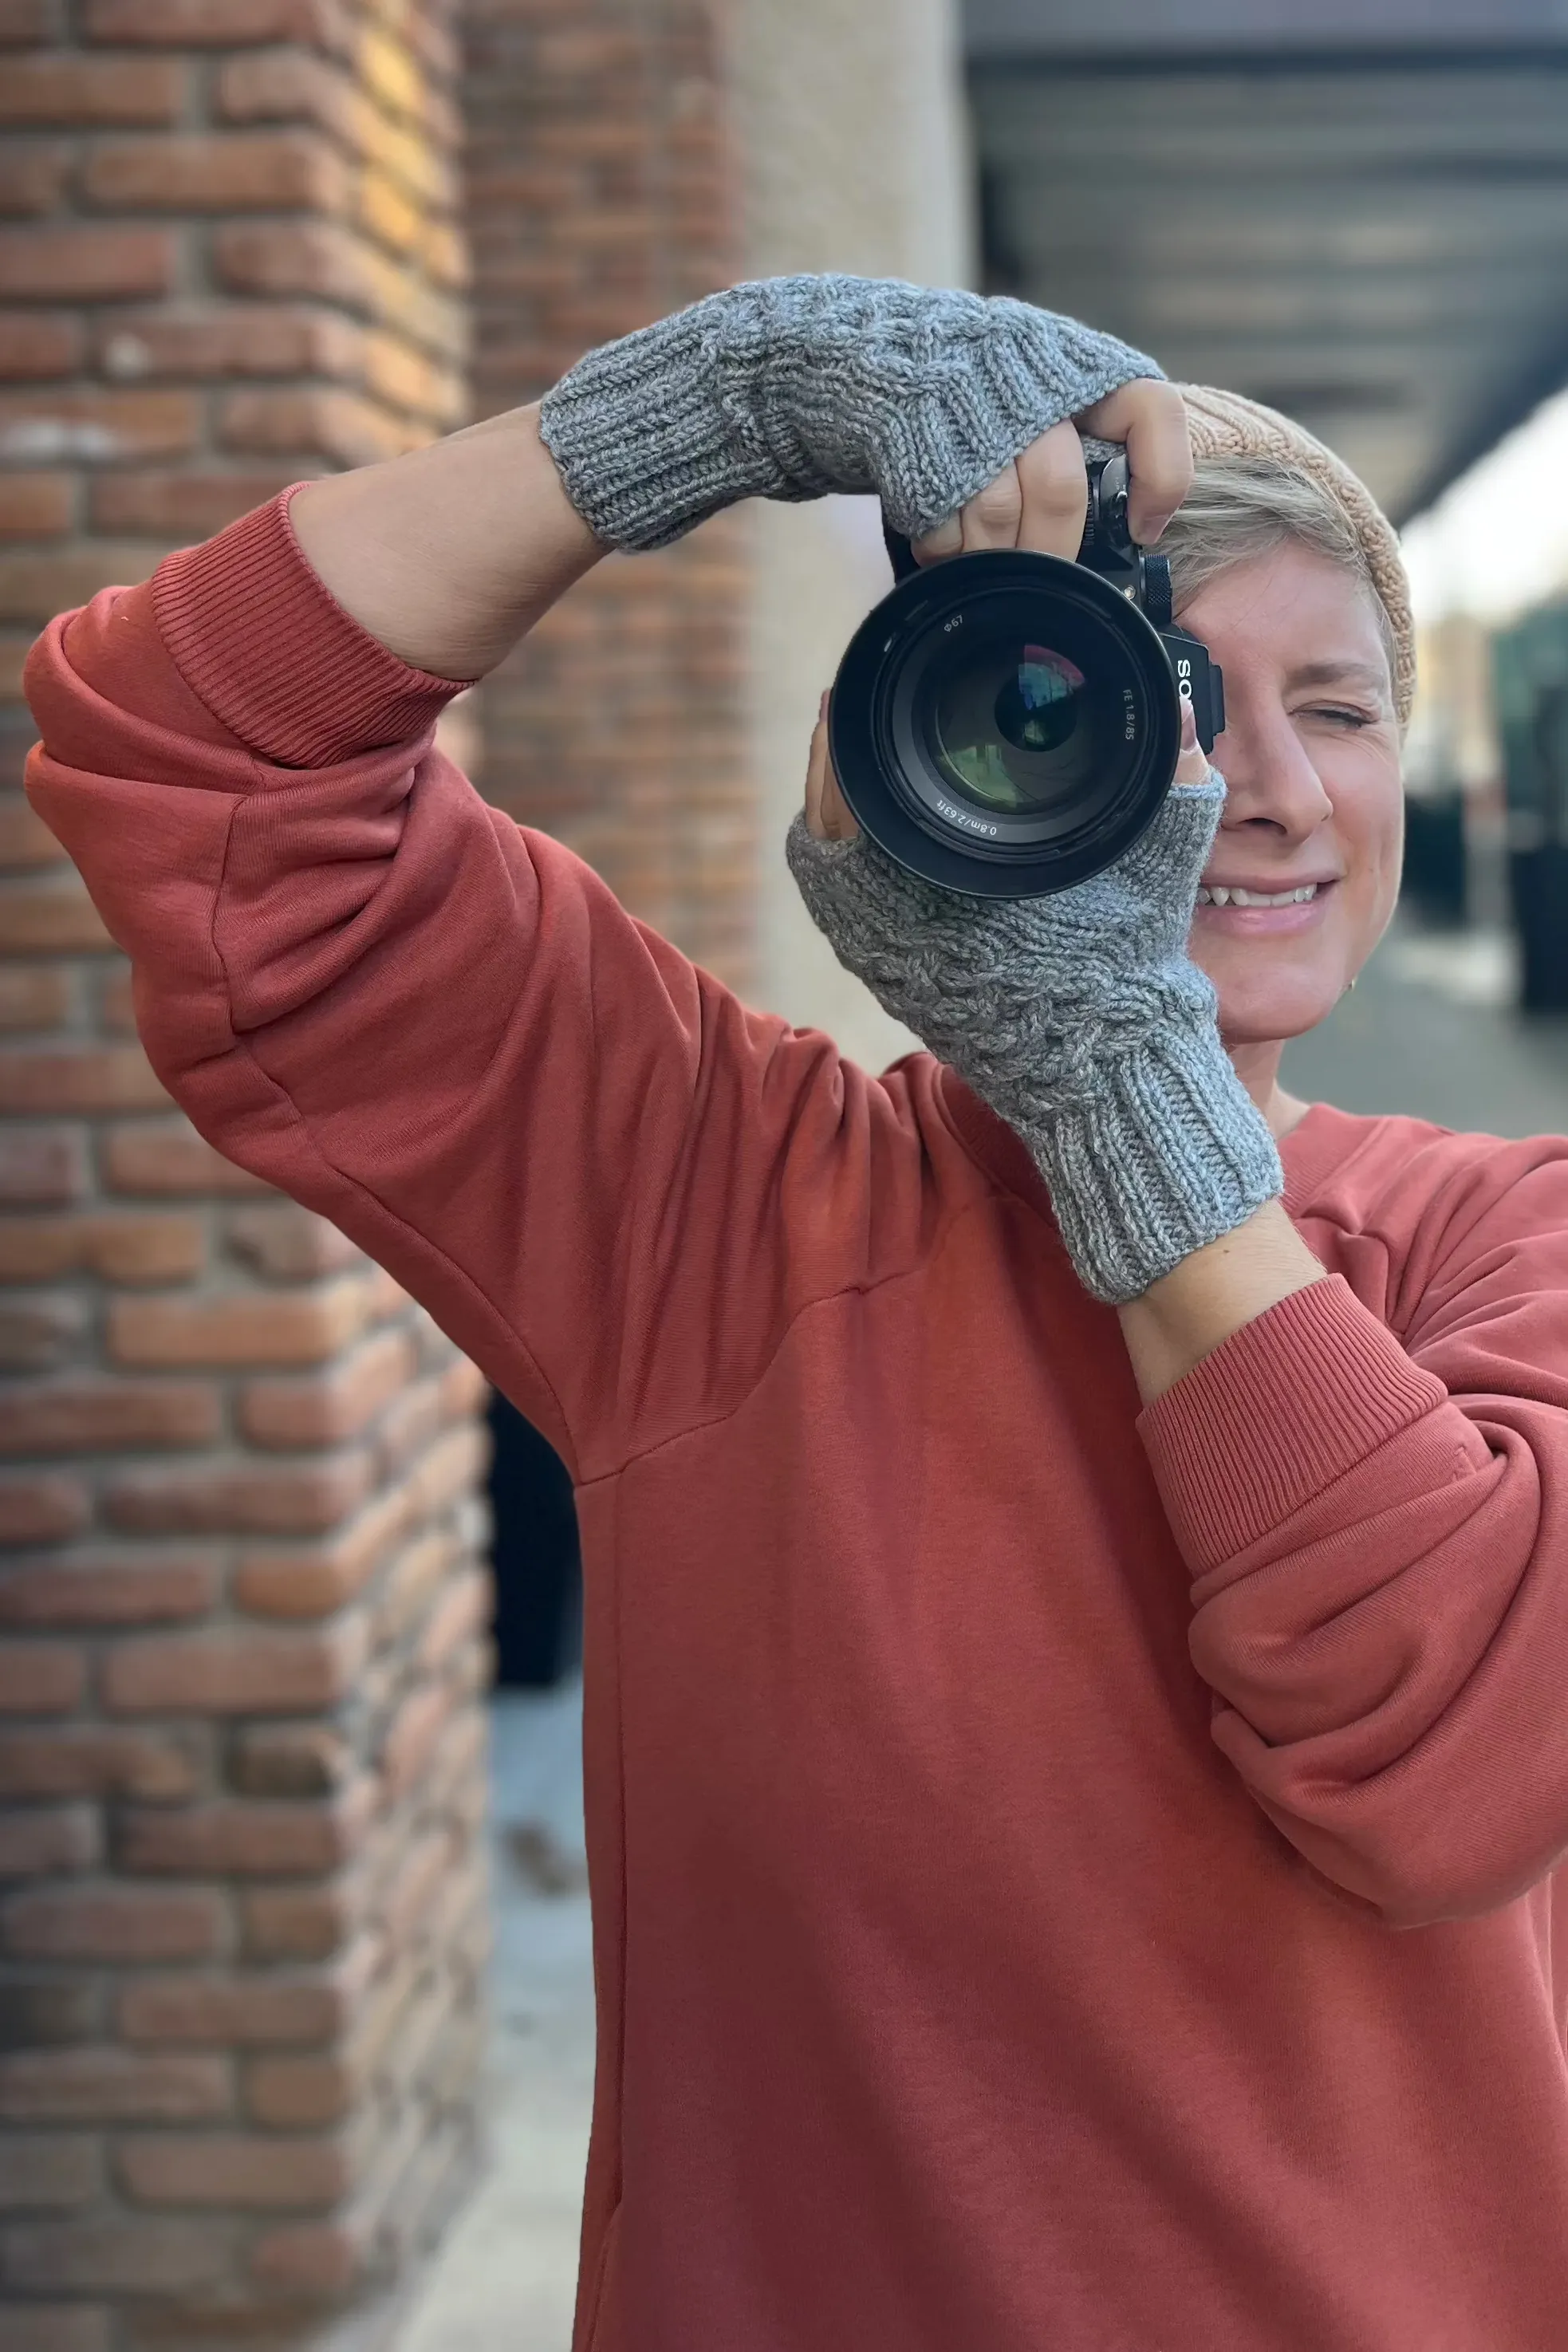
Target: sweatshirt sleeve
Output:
[
  {"x": 1376, "y": 1523},
  {"x": 435, "y": 1026}
]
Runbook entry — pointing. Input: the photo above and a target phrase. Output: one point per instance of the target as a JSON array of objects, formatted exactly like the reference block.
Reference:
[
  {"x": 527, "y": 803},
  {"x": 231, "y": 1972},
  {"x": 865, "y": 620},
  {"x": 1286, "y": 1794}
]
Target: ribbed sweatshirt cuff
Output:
[
  {"x": 273, "y": 655},
  {"x": 1288, "y": 1404}
]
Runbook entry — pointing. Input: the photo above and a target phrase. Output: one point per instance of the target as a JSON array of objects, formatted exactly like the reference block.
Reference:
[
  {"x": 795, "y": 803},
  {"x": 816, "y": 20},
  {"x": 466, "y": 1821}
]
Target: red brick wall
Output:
[
  {"x": 602, "y": 194},
  {"x": 241, "y": 1609}
]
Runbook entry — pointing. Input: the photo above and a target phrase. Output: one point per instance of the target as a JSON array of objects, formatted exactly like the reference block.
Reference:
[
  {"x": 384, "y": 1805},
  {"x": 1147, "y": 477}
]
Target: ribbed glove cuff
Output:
[
  {"x": 793, "y": 387},
  {"x": 641, "y": 436},
  {"x": 1172, "y": 1155},
  {"x": 1084, "y": 1023}
]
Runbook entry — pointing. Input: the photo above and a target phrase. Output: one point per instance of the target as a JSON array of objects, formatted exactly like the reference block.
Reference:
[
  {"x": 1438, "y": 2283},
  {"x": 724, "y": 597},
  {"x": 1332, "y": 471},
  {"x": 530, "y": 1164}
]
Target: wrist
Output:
[
  {"x": 448, "y": 555},
  {"x": 1212, "y": 1295}
]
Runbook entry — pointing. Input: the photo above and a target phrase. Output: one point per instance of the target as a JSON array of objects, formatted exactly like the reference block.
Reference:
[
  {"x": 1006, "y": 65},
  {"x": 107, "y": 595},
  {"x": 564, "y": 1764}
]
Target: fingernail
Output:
[
  {"x": 1189, "y": 728},
  {"x": 822, "y": 706}
]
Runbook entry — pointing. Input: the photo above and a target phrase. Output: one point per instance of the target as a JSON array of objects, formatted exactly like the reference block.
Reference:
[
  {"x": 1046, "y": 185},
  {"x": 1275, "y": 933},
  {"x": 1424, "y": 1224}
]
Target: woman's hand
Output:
[
  {"x": 791, "y": 387},
  {"x": 1084, "y": 1023},
  {"x": 1038, "y": 502},
  {"x": 1040, "y": 499}
]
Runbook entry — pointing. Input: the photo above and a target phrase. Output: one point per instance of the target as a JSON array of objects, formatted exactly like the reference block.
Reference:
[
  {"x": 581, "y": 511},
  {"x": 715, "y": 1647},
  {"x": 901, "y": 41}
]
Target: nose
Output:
[{"x": 1271, "y": 782}]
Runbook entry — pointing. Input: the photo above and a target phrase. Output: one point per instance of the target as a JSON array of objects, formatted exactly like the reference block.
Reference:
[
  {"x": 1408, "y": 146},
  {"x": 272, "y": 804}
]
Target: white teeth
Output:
[{"x": 1220, "y": 897}]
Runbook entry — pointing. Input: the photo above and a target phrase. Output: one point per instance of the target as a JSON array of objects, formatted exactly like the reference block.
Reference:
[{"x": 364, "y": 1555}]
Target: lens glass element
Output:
[{"x": 1017, "y": 727}]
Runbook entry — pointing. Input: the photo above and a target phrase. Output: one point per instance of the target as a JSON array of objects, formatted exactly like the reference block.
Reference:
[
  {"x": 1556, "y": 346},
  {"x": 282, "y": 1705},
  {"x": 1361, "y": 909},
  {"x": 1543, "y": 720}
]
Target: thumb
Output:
[
  {"x": 1192, "y": 766},
  {"x": 827, "y": 810}
]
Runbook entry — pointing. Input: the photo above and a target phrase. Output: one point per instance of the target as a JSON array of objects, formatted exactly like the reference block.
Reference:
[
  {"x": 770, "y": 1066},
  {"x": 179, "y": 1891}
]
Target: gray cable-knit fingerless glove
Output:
[
  {"x": 791, "y": 387},
  {"x": 1083, "y": 1022}
]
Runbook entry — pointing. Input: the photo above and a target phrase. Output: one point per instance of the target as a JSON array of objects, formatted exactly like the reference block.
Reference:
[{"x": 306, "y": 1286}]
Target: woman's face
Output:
[{"x": 1311, "y": 758}]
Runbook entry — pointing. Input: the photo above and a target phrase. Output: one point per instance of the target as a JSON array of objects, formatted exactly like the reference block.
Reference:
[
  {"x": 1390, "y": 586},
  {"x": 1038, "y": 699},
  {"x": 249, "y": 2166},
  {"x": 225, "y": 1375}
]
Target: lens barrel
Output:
[{"x": 1005, "y": 724}]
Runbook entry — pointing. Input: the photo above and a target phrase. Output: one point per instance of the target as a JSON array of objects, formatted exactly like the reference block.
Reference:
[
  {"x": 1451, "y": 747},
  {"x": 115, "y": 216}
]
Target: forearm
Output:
[
  {"x": 451, "y": 554},
  {"x": 1373, "y": 1534},
  {"x": 1207, "y": 1299}
]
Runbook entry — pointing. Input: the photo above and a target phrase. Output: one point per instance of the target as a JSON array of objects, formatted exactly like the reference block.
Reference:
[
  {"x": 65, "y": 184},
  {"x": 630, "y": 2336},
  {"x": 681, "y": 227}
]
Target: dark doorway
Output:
[{"x": 538, "y": 1571}]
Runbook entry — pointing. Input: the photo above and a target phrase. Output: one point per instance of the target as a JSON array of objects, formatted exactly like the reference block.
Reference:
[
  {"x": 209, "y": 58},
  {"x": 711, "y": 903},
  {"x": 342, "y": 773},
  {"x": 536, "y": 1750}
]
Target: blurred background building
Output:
[{"x": 245, "y": 1609}]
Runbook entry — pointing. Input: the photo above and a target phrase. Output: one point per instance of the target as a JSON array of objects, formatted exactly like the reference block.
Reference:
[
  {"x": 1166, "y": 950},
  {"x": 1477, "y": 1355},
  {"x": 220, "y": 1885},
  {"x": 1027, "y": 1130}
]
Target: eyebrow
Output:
[{"x": 1332, "y": 673}]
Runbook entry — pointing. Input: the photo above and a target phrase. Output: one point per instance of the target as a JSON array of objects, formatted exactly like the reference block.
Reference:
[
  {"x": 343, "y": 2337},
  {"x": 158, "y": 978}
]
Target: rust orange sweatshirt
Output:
[{"x": 1063, "y": 1876}]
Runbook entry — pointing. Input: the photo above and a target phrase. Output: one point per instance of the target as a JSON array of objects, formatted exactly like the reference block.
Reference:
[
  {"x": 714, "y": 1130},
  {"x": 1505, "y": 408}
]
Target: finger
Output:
[
  {"x": 993, "y": 516},
  {"x": 828, "y": 816},
  {"x": 1193, "y": 763},
  {"x": 835, "y": 813},
  {"x": 1151, "y": 418},
  {"x": 1055, "y": 494},
  {"x": 816, "y": 774},
  {"x": 947, "y": 539}
]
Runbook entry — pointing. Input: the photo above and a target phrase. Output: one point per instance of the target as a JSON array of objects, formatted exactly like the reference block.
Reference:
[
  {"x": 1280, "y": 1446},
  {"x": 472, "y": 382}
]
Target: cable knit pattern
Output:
[
  {"x": 1084, "y": 1022},
  {"x": 791, "y": 387}
]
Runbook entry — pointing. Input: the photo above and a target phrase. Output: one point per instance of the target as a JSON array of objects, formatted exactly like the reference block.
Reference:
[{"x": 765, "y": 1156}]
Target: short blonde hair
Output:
[
  {"x": 1224, "y": 427},
  {"x": 1242, "y": 508}
]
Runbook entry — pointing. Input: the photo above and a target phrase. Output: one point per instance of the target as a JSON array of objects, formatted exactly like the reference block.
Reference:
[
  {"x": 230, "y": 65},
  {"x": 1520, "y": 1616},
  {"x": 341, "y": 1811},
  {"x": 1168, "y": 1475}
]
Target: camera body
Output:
[
  {"x": 1007, "y": 724},
  {"x": 1109, "y": 549}
]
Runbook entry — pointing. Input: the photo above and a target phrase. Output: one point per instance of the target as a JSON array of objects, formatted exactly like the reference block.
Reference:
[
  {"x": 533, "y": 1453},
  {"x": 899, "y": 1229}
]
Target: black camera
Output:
[{"x": 1007, "y": 724}]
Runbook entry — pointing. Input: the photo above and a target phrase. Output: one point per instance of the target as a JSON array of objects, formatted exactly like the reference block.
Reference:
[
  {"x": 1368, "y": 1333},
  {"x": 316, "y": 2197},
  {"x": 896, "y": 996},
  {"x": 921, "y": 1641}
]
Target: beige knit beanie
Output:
[{"x": 1223, "y": 425}]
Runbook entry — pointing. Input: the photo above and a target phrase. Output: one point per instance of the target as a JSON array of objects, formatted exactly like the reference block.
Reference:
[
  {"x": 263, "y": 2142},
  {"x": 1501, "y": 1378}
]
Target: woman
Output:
[{"x": 1075, "y": 1541}]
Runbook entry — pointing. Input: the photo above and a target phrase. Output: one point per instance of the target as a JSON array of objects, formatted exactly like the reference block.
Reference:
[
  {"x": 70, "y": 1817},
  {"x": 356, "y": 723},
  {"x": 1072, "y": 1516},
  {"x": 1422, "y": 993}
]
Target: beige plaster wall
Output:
[{"x": 853, "y": 144}]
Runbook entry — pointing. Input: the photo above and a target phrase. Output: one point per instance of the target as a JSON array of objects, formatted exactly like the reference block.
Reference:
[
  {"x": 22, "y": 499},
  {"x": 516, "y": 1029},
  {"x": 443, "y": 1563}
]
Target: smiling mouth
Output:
[{"x": 1218, "y": 897}]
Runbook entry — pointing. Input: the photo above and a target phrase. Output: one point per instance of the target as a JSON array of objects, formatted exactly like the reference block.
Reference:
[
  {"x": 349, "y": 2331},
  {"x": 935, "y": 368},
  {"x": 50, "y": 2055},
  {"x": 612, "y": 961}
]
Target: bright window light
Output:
[{"x": 1496, "y": 543}]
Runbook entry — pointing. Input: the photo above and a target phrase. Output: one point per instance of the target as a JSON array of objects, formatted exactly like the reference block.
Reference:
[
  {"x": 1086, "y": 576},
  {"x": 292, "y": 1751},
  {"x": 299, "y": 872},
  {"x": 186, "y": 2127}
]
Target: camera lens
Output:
[
  {"x": 1005, "y": 724},
  {"x": 1038, "y": 704},
  {"x": 1012, "y": 725}
]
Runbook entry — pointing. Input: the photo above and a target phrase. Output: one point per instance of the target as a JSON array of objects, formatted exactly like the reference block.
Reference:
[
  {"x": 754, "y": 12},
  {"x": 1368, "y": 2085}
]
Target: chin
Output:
[
  {"x": 1264, "y": 1008},
  {"x": 1253, "y": 1025}
]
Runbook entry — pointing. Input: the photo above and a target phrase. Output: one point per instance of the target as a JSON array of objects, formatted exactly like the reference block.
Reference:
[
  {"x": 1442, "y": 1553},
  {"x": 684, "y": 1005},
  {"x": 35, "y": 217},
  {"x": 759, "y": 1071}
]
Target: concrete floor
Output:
[
  {"x": 1428, "y": 1032},
  {"x": 505, "y": 2277}
]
